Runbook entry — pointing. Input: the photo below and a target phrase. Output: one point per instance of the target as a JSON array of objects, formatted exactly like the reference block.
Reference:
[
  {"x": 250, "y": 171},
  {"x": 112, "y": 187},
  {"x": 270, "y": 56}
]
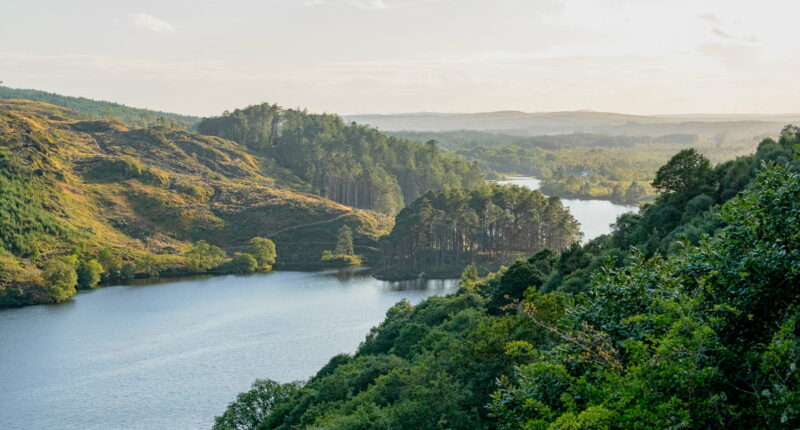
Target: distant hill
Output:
[
  {"x": 531, "y": 124},
  {"x": 551, "y": 122},
  {"x": 785, "y": 118},
  {"x": 101, "y": 109}
]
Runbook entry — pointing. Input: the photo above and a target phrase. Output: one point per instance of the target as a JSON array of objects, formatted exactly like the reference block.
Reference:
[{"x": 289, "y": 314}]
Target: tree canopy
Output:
[
  {"x": 452, "y": 228},
  {"x": 685, "y": 171}
]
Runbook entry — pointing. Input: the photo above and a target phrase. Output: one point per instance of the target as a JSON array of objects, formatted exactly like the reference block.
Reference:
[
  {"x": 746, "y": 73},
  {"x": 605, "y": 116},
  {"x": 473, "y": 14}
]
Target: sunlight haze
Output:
[{"x": 390, "y": 56}]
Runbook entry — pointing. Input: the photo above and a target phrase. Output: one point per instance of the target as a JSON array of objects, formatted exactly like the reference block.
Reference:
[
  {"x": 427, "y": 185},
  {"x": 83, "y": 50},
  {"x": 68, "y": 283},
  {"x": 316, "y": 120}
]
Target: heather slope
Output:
[{"x": 78, "y": 186}]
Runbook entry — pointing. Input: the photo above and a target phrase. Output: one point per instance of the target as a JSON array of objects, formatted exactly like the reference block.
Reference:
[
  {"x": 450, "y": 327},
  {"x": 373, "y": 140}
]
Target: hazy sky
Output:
[{"x": 359, "y": 56}]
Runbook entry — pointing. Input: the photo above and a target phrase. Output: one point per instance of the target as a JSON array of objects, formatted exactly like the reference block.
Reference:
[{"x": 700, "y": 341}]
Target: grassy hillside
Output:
[
  {"x": 139, "y": 197},
  {"x": 101, "y": 109}
]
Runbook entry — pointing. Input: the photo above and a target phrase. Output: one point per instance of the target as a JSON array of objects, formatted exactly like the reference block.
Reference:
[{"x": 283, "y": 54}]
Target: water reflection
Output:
[
  {"x": 347, "y": 273},
  {"x": 422, "y": 284}
]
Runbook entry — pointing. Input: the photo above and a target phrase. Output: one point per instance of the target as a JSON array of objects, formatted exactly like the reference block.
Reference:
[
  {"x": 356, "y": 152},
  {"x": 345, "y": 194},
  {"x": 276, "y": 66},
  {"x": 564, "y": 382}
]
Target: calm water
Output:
[
  {"x": 595, "y": 216},
  {"x": 173, "y": 355}
]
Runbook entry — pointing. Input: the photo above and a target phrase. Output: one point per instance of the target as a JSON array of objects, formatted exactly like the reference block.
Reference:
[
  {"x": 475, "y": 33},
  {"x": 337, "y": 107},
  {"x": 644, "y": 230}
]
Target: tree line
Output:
[
  {"x": 87, "y": 266},
  {"x": 454, "y": 227},
  {"x": 351, "y": 164},
  {"x": 592, "y": 187}
]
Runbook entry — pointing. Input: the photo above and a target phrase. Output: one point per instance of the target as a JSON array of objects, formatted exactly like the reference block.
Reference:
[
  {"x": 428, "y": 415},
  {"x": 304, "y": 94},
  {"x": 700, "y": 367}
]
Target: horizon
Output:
[
  {"x": 356, "y": 57},
  {"x": 666, "y": 115}
]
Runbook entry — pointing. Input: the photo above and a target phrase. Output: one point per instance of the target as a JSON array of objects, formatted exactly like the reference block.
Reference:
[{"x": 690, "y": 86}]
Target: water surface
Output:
[
  {"x": 595, "y": 216},
  {"x": 174, "y": 354}
]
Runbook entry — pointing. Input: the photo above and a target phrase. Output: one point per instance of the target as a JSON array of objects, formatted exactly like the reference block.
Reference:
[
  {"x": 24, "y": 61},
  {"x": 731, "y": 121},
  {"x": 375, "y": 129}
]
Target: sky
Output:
[{"x": 202, "y": 57}]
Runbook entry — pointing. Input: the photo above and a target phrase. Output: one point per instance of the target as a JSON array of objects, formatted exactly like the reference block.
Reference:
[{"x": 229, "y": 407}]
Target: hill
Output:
[
  {"x": 349, "y": 163},
  {"x": 101, "y": 109},
  {"x": 139, "y": 199}
]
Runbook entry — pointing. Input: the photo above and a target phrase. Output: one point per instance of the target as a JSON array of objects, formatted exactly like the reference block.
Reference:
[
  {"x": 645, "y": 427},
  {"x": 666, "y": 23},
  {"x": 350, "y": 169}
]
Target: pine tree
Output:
[{"x": 344, "y": 241}]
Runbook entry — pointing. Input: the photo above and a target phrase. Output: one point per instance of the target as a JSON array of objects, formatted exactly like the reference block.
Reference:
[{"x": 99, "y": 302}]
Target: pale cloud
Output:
[
  {"x": 710, "y": 17},
  {"x": 721, "y": 33},
  {"x": 370, "y": 4},
  {"x": 734, "y": 30},
  {"x": 150, "y": 23}
]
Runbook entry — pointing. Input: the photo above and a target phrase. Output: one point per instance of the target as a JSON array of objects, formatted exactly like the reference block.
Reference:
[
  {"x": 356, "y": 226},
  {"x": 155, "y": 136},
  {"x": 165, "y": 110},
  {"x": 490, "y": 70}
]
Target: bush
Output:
[
  {"x": 89, "y": 272},
  {"x": 263, "y": 250},
  {"x": 60, "y": 279},
  {"x": 203, "y": 256},
  {"x": 243, "y": 263},
  {"x": 330, "y": 257}
]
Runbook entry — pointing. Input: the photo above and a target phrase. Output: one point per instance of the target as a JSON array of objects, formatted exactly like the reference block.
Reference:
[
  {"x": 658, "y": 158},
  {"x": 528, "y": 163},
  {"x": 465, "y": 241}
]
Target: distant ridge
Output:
[
  {"x": 540, "y": 122},
  {"x": 584, "y": 121},
  {"x": 101, "y": 109}
]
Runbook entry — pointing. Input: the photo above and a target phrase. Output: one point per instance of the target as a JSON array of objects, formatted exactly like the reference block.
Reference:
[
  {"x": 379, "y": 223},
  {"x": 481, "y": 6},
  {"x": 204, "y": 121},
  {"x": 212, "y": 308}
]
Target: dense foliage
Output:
[
  {"x": 102, "y": 109},
  {"x": 681, "y": 211},
  {"x": 705, "y": 339},
  {"x": 348, "y": 163},
  {"x": 679, "y": 332},
  {"x": 445, "y": 230}
]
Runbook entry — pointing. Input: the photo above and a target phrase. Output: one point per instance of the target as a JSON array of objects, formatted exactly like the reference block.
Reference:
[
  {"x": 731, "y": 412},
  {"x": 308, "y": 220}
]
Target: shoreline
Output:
[{"x": 512, "y": 177}]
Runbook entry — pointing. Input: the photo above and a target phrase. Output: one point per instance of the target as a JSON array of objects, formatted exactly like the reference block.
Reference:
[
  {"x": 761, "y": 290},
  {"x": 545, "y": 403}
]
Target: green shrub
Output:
[
  {"x": 203, "y": 256},
  {"x": 243, "y": 263},
  {"x": 89, "y": 273},
  {"x": 60, "y": 279},
  {"x": 350, "y": 260},
  {"x": 263, "y": 250}
]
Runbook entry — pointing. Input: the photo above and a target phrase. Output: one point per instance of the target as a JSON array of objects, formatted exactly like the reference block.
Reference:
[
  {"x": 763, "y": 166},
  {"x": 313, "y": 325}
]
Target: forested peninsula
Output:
[
  {"x": 445, "y": 230},
  {"x": 686, "y": 316}
]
